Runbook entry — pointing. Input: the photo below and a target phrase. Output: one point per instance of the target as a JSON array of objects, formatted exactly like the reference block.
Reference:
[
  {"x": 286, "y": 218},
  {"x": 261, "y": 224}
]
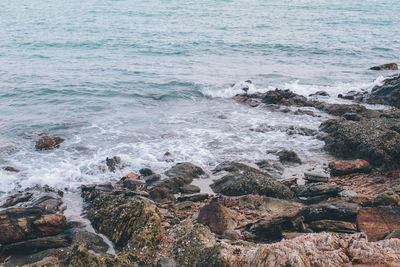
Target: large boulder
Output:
[
  {"x": 242, "y": 180},
  {"x": 376, "y": 140},
  {"x": 388, "y": 93},
  {"x": 218, "y": 217},
  {"x": 132, "y": 222}
]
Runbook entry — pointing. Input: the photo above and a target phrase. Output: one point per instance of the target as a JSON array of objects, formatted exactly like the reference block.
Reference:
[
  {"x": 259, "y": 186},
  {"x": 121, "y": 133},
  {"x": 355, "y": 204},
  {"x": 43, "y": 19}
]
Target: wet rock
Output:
[
  {"x": 37, "y": 244},
  {"x": 333, "y": 226},
  {"x": 341, "y": 109},
  {"x": 343, "y": 167},
  {"x": 315, "y": 178},
  {"x": 377, "y": 222},
  {"x": 319, "y": 93},
  {"x": 146, "y": 172},
  {"x": 318, "y": 189},
  {"x": 31, "y": 223},
  {"x": 47, "y": 142},
  {"x": 17, "y": 198},
  {"x": 133, "y": 184},
  {"x": 113, "y": 163},
  {"x": 131, "y": 175},
  {"x": 193, "y": 197},
  {"x": 132, "y": 222},
  {"x": 190, "y": 189},
  {"x": 275, "y": 169},
  {"x": 287, "y": 156},
  {"x": 217, "y": 217},
  {"x": 388, "y": 66},
  {"x": 242, "y": 180},
  {"x": 152, "y": 179},
  {"x": 285, "y": 98},
  {"x": 185, "y": 205},
  {"x": 376, "y": 140},
  {"x": 347, "y": 195},
  {"x": 185, "y": 169},
  {"x": 388, "y": 93},
  {"x": 331, "y": 211},
  {"x": 353, "y": 117},
  {"x": 387, "y": 198},
  {"x": 89, "y": 240},
  {"x": 166, "y": 262},
  {"x": 10, "y": 169}
]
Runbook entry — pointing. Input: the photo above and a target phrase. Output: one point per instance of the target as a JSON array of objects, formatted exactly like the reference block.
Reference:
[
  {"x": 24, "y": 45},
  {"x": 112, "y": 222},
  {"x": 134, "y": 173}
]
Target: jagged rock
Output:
[
  {"x": 287, "y": 156},
  {"x": 376, "y": 140},
  {"x": 331, "y": 211},
  {"x": 388, "y": 93},
  {"x": 133, "y": 223},
  {"x": 36, "y": 244},
  {"x": 388, "y": 66},
  {"x": 113, "y": 163},
  {"x": 47, "y": 142},
  {"x": 343, "y": 167},
  {"x": 217, "y": 217},
  {"x": 242, "y": 180},
  {"x": 317, "y": 189},
  {"x": 333, "y": 226},
  {"x": 315, "y": 178},
  {"x": 189, "y": 189},
  {"x": 285, "y": 98},
  {"x": 377, "y": 222}
]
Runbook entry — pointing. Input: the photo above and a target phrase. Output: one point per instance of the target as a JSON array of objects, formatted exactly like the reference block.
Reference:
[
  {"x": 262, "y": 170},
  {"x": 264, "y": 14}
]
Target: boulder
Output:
[
  {"x": 10, "y": 169},
  {"x": 185, "y": 169},
  {"x": 189, "y": 189},
  {"x": 287, "y": 156},
  {"x": 319, "y": 93},
  {"x": 343, "y": 167},
  {"x": 242, "y": 180},
  {"x": 146, "y": 172},
  {"x": 317, "y": 189},
  {"x": 315, "y": 177},
  {"x": 285, "y": 98},
  {"x": 378, "y": 222},
  {"x": 331, "y": 211},
  {"x": 376, "y": 140},
  {"x": 113, "y": 163},
  {"x": 194, "y": 197},
  {"x": 47, "y": 142},
  {"x": 37, "y": 244},
  {"x": 388, "y": 66},
  {"x": 388, "y": 93},
  {"x": 132, "y": 222},
  {"x": 218, "y": 217},
  {"x": 333, "y": 226}
]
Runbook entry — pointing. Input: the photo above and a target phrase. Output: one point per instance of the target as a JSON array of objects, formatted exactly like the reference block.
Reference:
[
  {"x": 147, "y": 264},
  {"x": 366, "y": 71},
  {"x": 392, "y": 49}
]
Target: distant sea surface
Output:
[{"x": 140, "y": 78}]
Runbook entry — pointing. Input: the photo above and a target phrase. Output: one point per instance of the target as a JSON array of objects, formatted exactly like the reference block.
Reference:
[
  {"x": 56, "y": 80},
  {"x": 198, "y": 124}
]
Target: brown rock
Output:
[
  {"x": 131, "y": 175},
  {"x": 47, "y": 142},
  {"x": 317, "y": 189},
  {"x": 388, "y": 66},
  {"x": 218, "y": 217},
  {"x": 334, "y": 226},
  {"x": 342, "y": 167},
  {"x": 10, "y": 169},
  {"x": 377, "y": 222}
]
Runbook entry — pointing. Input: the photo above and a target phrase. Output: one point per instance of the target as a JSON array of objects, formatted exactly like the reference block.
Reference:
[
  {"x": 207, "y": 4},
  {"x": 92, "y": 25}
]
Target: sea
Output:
[{"x": 137, "y": 79}]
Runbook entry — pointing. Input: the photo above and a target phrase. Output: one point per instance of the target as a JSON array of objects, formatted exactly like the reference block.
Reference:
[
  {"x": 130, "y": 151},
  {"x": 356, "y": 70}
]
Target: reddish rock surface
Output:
[
  {"x": 343, "y": 167},
  {"x": 218, "y": 217},
  {"x": 377, "y": 222}
]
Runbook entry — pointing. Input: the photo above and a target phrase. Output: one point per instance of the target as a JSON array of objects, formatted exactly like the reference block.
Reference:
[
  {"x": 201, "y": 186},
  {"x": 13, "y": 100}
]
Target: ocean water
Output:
[{"x": 140, "y": 78}]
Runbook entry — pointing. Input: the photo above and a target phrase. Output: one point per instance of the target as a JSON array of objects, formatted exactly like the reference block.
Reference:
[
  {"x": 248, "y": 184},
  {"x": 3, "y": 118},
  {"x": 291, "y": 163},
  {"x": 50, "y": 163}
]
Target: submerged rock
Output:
[
  {"x": 388, "y": 66},
  {"x": 242, "y": 180},
  {"x": 343, "y": 167},
  {"x": 10, "y": 169},
  {"x": 47, "y": 142},
  {"x": 388, "y": 93},
  {"x": 113, "y": 163},
  {"x": 287, "y": 156}
]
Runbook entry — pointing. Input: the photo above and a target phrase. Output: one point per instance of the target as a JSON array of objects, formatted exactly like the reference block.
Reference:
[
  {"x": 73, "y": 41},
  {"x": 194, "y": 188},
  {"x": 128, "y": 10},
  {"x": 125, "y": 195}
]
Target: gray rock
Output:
[
  {"x": 388, "y": 93},
  {"x": 166, "y": 262}
]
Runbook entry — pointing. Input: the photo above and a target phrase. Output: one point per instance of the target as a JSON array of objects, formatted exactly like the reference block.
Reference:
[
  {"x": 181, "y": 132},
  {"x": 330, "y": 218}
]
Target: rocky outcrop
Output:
[
  {"x": 331, "y": 211},
  {"x": 47, "y": 142},
  {"x": 388, "y": 93},
  {"x": 378, "y": 222},
  {"x": 343, "y": 167},
  {"x": 217, "y": 217},
  {"x": 376, "y": 140},
  {"x": 132, "y": 222},
  {"x": 242, "y": 179}
]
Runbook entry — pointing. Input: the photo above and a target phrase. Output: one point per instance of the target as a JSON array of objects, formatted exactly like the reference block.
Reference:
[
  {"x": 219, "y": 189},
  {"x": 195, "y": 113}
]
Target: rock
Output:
[
  {"x": 31, "y": 223},
  {"x": 331, "y": 211},
  {"x": 343, "y": 167},
  {"x": 133, "y": 184},
  {"x": 185, "y": 169},
  {"x": 347, "y": 194},
  {"x": 89, "y": 240},
  {"x": 341, "y": 109},
  {"x": 113, "y": 163},
  {"x": 317, "y": 189},
  {"x": 152, "y": 179},
  {"x": 394, "y": 234},
  {"x": 133, "y": 223},
  {"x": 232, "y": 235},
  {"x": 388, "y": 66},
  {"x": 217, "y": 217},
  {"x": 193, "y": 197},
  {"x": 333, "y": 226},
  {"x": 273, "y": 168},
  {"x": 376, "y": 140},
  {"x": 10, "y": 169},
  {"x": 166, "y": 262},
  {"x": 285, "y": 98},
  {"x": 319, "y": 93},
  {"x": 47, "y": 142},
  {"x": 353, "y": 117},
  {"x": 315, "y": 178},
  {"x": 388, "y": 93},
  {"x": 190, "y": 189},
  {"x": 286, "y": 156},
  {"x": 242, "y": 180},
  {"x": 185, "y": 205},
  {"x": 387, "y": 198},
  {"x": 37, "y": 244},
  {"x": 131, "y": 175},
  {"x": 146, "y": 172},
  {"x": 377, "y": 222}
]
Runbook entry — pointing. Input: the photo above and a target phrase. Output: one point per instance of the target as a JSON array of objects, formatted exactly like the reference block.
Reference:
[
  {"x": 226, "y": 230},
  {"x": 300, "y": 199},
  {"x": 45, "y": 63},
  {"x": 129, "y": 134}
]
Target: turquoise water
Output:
[{"x": 139, "y": 78}]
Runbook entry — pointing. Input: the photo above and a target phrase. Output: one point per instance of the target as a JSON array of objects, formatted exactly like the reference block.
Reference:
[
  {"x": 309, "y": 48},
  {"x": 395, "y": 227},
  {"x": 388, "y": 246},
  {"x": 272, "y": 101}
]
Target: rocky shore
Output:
[{"x": 348, "y": 215}]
